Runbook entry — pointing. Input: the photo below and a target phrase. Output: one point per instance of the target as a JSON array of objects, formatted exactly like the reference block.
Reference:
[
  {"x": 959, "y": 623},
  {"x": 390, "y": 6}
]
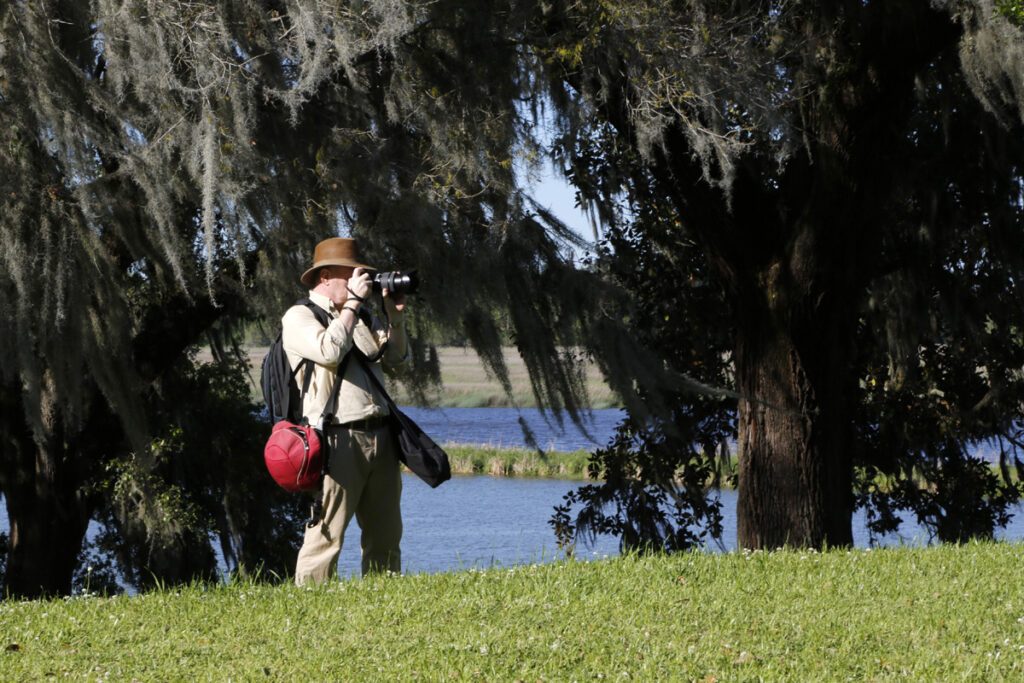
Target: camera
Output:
[{"x": 395, "y": 281}]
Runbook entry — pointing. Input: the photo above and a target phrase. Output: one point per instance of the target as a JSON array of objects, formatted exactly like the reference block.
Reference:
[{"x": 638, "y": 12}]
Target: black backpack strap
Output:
[
  {"x": 332, "y": 402},
  {"x": 324, "y": 318},
  {"x": 306, "y": 378}
]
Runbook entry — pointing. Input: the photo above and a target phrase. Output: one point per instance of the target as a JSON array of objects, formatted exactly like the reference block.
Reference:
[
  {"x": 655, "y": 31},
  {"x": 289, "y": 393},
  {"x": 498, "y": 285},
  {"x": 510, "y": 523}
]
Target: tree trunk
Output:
[
  {"x": 48, "y": 504},
  {"x": 48, "y": 516},
  {"x": 794, "y": 438},
  {"x": 46, "y": 538}
]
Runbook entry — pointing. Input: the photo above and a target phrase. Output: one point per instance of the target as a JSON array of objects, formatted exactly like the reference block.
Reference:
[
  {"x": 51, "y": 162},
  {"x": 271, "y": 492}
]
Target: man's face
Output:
[{"x": 335, "y": 280}]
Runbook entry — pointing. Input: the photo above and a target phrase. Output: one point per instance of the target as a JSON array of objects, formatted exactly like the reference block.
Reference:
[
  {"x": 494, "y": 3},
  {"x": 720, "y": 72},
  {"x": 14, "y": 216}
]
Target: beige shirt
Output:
[{"x": 304, "y": 337}]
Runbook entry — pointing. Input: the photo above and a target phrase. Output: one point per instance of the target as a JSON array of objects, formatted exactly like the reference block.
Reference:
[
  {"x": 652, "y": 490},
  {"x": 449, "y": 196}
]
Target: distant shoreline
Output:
[{"x": 465, "y": 382}]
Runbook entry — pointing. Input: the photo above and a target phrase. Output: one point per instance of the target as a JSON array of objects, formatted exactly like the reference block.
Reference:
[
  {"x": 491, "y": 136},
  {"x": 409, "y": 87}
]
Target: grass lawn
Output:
[{"x": 931, "y": 614}]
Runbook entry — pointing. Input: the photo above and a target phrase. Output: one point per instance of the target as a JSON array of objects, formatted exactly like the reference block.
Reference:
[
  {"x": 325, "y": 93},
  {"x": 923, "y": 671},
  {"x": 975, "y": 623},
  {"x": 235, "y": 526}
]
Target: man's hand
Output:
[
  {"x": 395, "y": 304},
  {"x": 360, "y": 283}
]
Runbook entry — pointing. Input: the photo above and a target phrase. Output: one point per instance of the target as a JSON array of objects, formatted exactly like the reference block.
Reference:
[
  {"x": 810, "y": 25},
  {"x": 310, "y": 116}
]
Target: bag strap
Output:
[
  {"x": 332, "y": 402},
  {"x": 324, "y": 318},
  {"x": 373, "y": 377}
]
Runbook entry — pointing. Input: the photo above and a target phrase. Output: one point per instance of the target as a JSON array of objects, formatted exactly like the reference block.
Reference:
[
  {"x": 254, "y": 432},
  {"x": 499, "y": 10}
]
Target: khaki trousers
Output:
[{"x": 364, "y": 479}]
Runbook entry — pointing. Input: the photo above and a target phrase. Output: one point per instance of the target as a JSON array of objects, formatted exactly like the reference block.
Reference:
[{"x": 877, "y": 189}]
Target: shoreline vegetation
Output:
[
  {"x": 934, "y": 613},
  {"x": 516, "y": 462}
]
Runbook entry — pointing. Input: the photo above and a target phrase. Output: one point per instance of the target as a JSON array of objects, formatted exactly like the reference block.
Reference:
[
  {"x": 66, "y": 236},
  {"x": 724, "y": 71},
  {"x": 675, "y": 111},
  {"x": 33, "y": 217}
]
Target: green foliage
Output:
[
  {"x": 165, "y": 513},
  {"x": 793, "y": 199},
  {"x": 166, "y": 165},
  {"x": 170, "y": 164},
  {"x": 514, "y": 462},
  {"x": 1012, "y": 10},
  {"x": 136, "y": 491},
  {"x": 944, "y": 613},
  {"x": 654, "y": 480},
  {"x": 652, "y": 496}
]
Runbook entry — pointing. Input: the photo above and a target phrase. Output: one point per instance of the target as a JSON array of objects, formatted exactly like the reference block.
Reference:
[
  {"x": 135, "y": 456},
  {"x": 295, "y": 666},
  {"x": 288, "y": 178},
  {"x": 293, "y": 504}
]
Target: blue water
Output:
[
  {"x": 475, "y": 522},
  {"x": 503, "y": 427},
  {"x": 482, "y": 521}
]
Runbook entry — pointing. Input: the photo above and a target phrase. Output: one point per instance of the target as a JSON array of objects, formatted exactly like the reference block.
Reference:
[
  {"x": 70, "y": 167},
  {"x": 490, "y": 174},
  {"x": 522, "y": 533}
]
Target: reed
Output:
[{"x": 517, "y": 462}]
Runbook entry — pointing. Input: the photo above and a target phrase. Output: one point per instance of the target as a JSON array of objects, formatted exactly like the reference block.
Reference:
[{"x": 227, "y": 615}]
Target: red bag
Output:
[
  {"x": 294, "y": 456},
  {"x": 294, "y": 453}
]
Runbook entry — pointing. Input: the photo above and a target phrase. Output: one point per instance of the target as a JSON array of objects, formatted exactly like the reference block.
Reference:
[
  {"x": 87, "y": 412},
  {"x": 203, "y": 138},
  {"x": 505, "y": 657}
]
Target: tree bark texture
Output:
[{"x": 794, "y": 460}]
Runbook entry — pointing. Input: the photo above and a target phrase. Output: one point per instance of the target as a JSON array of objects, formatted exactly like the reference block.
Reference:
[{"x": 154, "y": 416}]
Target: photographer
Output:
[{"x": 363, "y": 475}]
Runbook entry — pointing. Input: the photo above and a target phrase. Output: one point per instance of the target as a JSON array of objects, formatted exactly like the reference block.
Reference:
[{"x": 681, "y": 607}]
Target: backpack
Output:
[
  {"x": 295, "y": 454},
  {"x": 280, "y": 390}
]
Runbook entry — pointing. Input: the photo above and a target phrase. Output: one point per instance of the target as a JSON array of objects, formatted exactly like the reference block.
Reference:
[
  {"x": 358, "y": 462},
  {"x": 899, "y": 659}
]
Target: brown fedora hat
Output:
[{"x": 334, "y": 251}]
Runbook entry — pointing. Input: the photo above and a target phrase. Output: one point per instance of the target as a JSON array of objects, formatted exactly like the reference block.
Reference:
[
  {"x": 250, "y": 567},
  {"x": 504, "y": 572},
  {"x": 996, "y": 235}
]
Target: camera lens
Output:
[{"x": 397, "y": 282}]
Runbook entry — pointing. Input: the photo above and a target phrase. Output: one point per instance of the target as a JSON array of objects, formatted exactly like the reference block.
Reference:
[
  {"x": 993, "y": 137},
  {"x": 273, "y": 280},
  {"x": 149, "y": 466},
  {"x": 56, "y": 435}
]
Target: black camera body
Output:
[{"x": 395, "y": 281}]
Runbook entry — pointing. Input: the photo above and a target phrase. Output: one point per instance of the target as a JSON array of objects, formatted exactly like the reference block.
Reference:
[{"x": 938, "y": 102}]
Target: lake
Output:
[
  {"x": 482, "y": 521},
  {"x": 503, "y": 427}
]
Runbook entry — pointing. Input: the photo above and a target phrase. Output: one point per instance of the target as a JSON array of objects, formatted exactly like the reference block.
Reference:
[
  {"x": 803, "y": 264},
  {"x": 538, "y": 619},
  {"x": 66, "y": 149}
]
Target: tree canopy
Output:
[
  {"x": 812, "y": 214},
  {"x": 168, "y": 167},
  {"x": 821, "y": 204}
]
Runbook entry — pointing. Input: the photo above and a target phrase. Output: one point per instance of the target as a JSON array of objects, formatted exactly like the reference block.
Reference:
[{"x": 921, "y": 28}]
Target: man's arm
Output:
[
  {"x": 396, "y": 354},
  {"x": 303, "y": 335}
]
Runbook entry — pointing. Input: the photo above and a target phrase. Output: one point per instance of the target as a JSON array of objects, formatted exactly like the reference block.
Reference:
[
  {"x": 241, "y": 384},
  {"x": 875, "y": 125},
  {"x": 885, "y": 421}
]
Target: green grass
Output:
[
  {"x": 517, "y": 462},
  {"x": 950, "y": 612}
]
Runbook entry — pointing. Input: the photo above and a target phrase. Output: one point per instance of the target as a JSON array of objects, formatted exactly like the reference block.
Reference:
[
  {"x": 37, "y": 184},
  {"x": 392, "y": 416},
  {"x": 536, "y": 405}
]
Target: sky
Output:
[{"x": 556, "y": 195}]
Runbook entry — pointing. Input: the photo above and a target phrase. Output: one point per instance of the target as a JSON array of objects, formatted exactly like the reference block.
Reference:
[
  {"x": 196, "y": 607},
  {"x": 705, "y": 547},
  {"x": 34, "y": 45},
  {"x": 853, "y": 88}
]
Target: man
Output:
[{"x": 363, "y": 471}]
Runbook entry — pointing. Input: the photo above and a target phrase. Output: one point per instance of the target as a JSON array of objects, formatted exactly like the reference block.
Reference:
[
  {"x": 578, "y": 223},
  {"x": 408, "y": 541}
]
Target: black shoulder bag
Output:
[{"x": 421, "y": 455}]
